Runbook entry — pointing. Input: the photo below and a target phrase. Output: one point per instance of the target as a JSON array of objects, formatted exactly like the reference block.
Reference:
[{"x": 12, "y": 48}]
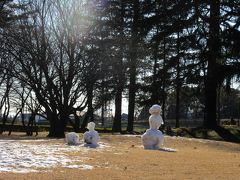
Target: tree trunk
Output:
[
  {"x": 57, "y": 126},
  {"x": 102, "y": 113},
  {"x": 218, "y": 105},
  {"x": 178, "y": 85},
  {"x": 60, "y": 128},
  {"x": 89, "y": 115},
  {"x": 210, "y": 96},
  {"x": 155, "y": 85},
  {"x": 13, "y": 121},
  {"x": 118, "y": 111},
  {"x": 154, "y": 88},
  {"x": 31, "y": 126},
  {"x": 102, "y": 105},
  {"x": 117, "y": 126},
  {"x": 77, "y": 122},
  {"x": 177, "y": 105},
  {"x": 57, "y": 123},
  {"x": 131, "y": 105},
  {"x": 211, "y": 79},
  {"x": 164, "y": 82},
  {"x": 133, "y": 66}
]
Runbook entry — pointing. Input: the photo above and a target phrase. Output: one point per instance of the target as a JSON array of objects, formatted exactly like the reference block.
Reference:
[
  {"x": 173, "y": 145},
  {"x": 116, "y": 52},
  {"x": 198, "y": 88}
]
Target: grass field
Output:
[{"x": 123, "y": 157}]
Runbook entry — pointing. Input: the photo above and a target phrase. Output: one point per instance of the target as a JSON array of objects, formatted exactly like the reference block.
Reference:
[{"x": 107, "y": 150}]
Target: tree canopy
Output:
[{"x": 78, "y": 55}]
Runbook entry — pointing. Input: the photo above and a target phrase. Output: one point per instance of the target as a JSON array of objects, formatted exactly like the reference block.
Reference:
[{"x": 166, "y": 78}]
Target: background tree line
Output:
[{"x": 62, "y": 57}]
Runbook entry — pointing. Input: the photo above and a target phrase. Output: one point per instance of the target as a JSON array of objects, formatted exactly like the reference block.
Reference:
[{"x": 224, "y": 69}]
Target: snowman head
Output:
[
  {"x": 155, "y": 109},
  {"x": 91, "y": 126}
]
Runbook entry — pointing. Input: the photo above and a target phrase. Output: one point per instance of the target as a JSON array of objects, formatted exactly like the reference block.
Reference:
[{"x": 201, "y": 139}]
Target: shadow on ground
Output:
[{"x": 218, "y": 133}]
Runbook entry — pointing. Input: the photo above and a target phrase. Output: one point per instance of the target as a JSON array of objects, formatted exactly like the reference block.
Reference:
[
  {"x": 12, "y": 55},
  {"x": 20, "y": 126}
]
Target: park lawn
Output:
[{"x": 125, "y": 158}]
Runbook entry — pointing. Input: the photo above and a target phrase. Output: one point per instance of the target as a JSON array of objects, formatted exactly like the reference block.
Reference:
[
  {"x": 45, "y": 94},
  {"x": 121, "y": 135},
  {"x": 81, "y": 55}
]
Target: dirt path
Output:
[{"x": 125, "y": 158}]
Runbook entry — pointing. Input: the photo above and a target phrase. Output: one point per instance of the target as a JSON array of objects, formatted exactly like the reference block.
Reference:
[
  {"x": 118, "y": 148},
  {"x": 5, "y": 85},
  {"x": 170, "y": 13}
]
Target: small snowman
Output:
[
  {"x": 91, "y": 137},
  {"x": 72, "y": 138},
  {"x": 153, "y": 138}
]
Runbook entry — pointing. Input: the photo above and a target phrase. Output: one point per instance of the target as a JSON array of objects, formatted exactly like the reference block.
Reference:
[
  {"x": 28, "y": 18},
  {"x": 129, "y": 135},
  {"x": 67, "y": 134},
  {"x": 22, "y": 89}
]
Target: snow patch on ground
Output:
[
  {"x": 84, "y": 166},
  {"x": 192, "y": 139},
  {"x": 24, "y": 156}
]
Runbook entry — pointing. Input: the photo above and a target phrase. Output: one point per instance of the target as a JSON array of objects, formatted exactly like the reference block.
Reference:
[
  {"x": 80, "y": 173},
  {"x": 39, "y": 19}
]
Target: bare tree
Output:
[{"x": 47, "y": 57}]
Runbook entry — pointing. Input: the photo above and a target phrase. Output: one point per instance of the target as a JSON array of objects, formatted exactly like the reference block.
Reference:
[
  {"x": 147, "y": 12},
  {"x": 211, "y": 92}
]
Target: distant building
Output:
[
  {"x": 124, "y": 116},
  {"x": 38, "y": 119}
]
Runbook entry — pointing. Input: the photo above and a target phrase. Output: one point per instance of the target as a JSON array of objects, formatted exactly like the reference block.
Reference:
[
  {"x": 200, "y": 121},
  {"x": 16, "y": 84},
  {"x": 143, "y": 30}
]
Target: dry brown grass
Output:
[{"x": 125, "y": 159}]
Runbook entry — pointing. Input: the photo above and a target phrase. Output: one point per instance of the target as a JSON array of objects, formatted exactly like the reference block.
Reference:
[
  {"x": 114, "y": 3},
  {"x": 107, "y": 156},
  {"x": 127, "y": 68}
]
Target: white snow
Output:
[
  {"x": 192, "y": 139},
  {"x": 84, "y": 166},
  {"x": 23, "y": 156}
]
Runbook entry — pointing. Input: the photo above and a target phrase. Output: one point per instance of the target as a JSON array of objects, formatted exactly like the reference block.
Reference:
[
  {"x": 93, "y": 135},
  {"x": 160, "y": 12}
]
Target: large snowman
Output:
[
  {"x": 153, "y": 138},
  {"x": 91, "y": 137}
]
